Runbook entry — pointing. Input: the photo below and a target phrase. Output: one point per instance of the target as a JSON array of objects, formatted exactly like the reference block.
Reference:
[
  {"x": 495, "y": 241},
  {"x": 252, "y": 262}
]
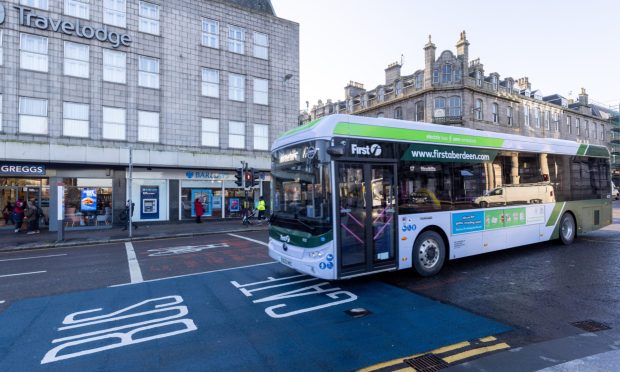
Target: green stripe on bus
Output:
[
  {"x": 300, "y": 238},
  {"x": 555, "y": 214},
  {"x": 582, "y": 149},
  {"x": 362, "y": 130},
  {"x": 304, "y": 127}
]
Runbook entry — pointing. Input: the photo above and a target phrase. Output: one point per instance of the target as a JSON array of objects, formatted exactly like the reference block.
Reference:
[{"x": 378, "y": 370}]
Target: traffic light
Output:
[
  {"x": 248, "y": 178},
  {"x": 239, "y": 177},
  {"x": 255, "y": 177}
]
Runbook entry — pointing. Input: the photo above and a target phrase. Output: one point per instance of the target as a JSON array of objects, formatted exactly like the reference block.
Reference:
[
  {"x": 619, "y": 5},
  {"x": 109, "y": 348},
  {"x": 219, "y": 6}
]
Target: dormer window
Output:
[
  {"x": 364, "y": 100},
  {"x": 381, "y": 95},
  {"x": 435, "y": 76},
  {"x": 419, "y": 81},
  {"x": 399, "y": 87},
  {"x": 457, "y": 73},
  {"x": 446, "y": 74},
  {"x": 479, "y": 78},
  {"x": 495, "y": 82}
]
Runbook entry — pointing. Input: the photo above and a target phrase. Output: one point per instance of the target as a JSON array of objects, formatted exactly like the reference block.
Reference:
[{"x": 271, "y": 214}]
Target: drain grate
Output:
[
  {"x": 591, "y": 326},
  {"x": 427, "y": 363}
]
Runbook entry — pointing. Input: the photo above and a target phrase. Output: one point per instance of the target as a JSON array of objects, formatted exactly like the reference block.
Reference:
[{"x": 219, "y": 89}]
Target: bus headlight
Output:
[{"x": 316, "y": 254}]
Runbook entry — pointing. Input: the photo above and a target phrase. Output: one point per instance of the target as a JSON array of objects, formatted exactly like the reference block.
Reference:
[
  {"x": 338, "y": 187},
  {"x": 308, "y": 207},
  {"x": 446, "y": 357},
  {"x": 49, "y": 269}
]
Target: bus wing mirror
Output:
[{"x": 336, "y": 150}]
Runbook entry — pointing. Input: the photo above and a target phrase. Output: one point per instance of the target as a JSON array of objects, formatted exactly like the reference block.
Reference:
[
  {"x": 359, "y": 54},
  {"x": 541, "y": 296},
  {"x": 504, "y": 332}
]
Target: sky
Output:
[{"x": 562, "y": 46}]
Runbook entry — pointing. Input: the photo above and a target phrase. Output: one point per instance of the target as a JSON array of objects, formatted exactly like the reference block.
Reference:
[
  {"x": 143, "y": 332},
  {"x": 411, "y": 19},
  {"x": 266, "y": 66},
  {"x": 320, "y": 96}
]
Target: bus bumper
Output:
[{"x": 319, "y": 262}]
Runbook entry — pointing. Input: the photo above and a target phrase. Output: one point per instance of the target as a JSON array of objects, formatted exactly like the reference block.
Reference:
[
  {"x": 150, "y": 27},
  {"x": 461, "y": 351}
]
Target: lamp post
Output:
[
  {"x": 130, "y": 201},
  {"x": 286, "y": 78}
]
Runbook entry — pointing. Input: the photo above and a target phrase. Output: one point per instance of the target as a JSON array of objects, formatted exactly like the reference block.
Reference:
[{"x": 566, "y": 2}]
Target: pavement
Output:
[{"x": 11, "y": 241}]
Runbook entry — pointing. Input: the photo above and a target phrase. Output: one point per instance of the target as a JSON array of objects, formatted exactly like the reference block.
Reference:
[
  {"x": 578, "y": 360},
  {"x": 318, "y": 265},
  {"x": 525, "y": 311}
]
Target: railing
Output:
[{"x": 449, "y": 120}]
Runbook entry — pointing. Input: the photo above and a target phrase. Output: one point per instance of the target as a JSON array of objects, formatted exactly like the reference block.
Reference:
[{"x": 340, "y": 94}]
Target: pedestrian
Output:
[
  {"x": 261, "y": 208},
  {"x": 198, "y": 209},
  {"x": 128, "y": 212},
  {"x": 32, "y": 213},
  {"x": 7, "y": 213},
  {"x": 18, "y": 215}
]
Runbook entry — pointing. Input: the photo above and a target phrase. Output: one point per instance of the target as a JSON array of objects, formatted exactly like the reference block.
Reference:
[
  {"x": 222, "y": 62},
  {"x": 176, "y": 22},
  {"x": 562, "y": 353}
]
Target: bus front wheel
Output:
[
  {"x": 429, "y": 253},
  {"x": 568, "y": 229}
]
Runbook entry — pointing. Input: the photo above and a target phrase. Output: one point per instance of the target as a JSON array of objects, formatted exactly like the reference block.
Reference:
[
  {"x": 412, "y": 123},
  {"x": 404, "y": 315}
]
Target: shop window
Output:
[
  {"x": 114, "y": 66},
  {"x": 114, "y": 123},
  {"x": 149, "y": 18},
  {"x": 33, "y": 53},
  {"x": 210, "y": 83},
  {"x": 261, "y": 45},
  {"x": 148, "y": 72},
  {"x": 115, "y": 12},
  {"x": 236, "y": 40},
  {"x": 261, "y": 137},
  {"x": 148, "y": 126},
  {"x": 210, "y": 33},
  {"x": 261, "y": 91},
  {"x": 78, "y": 8},
  {"x": 236, "y": 135},
  {"x": 210, "y": 132},
  {"x": 76, "y": 62},
  {"x": 209, "y": 194},
  {"x": 75, "y": 120},
  {"x": 88, "y": 202},
  {"x": 32, "y": 115}
]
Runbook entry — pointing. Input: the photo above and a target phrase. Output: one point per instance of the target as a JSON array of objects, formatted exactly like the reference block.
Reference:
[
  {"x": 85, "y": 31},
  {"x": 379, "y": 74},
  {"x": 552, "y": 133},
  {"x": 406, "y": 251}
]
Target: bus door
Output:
[{"x": 367, "y": 217}]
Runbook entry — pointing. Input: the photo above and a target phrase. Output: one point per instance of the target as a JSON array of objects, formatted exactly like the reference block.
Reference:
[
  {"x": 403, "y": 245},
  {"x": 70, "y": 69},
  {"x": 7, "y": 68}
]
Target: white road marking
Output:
[
  {"x": 134, "y": 267},
  {"x": 31, "y": 258},
  {"x": 34, "y": 272},
  {"x": 204, "y": 272},
  {"x": 252, "y": 240},
  {"x": 1, "y": 302}
]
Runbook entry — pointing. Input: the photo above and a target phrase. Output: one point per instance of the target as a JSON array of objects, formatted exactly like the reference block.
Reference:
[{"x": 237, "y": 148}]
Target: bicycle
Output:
[{"x": 250, "y": 217}]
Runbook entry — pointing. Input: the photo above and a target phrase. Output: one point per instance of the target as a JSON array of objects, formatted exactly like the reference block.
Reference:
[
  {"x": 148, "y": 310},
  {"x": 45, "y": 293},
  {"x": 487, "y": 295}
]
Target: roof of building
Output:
[{"x": 263, "y": 6}]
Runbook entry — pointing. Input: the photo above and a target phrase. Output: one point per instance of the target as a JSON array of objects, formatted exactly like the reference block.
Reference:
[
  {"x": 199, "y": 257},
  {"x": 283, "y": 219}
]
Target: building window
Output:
[
  {"x": 261, "y": 137},
  {"x": 479, "y": 78},
  {"x": 435, "y": 76},
  {"x": 419, "y": 111},
  {"x": 537, "y": 117},
  {"x": 78, "y": 8},
  {"x": 364, "y": 100},
  {"x": 149, "y": 18},
  {"x": 41, "y": 4},
  {"x": 1, "y": 53},
  {"x": 236, "y": 40},
  {"x": 114, "y": 66},
  {"x": 398, "y": 113},
  {"x": 419, "y": 81},
  {"x": 148, "y": 72},
  {"x": 556, "y": 121},
  {"x": 77, "y": 58},
  {"x": 148, "y": 126},
  {"x": 547, "y": 117},
  {"x": 236, "y": 134},
  {"x": 380, "y": 115},
  {"x": 577, "y": 127},
  {"x": 115, "y": 12},
  {"x": 75, "y": 120},
  {"x": 440, "y": 107},
  {"x": 381, "y": 95},
  {"x": 454, "y": 106},
  {"x": 261, "y": 91},
  {"x": 33, "y": 53},
  {"x": 210, "y": 132},
  {"x": 526, "y": 115},
  {"x": 236, "y": 87},
  {"x": 0, "y": 112},
  {"x": 32, "y": 115},
  {"x": 398, "y": 87},
  {"x": 569, "y": 125},
  {"x": 602, "y": 126},
  {"x": 210, "y": 83},
  {"x": 495, "y": 82},
  {"x": 495, "y": 112},
  {"x": 478, "y": 109},
  {"x": 509, "y": 116},
  {"x": 595, "y": 130},
  {"x": 261, "y": 46},
  {"x": 446, "y": 74},
  {"x": 457, "y": 73},
  {"x": 210, "y": 33},
  {"x": 587, "y": 125},
  {"x": 114, "y": 123}
]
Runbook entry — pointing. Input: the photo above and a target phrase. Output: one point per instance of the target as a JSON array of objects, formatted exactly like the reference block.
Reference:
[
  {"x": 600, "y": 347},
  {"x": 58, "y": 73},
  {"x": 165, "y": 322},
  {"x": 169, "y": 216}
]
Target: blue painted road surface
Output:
[{"x": 258, "y": 318}]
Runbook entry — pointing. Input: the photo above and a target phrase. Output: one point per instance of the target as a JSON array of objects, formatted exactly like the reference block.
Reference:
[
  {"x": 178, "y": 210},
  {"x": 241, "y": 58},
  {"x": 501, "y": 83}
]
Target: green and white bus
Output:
[{"x": 355, "y": 195}]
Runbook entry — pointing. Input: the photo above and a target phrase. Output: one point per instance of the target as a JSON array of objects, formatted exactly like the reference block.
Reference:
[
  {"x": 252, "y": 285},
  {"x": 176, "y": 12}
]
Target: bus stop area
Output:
[{"x": 11, "y": 241}]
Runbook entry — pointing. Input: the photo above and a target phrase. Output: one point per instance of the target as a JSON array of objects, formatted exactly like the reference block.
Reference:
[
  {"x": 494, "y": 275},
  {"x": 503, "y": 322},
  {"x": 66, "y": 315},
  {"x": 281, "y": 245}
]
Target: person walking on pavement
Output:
[
  {"x": 32, "y": 213},
  {"x": 261, "y": 208},
  {"x": 7, "y": 213},
  {"x": 128, "y": 212},
  {"x": 18, "y": 215},
  {"x": 198, "y": 209}
]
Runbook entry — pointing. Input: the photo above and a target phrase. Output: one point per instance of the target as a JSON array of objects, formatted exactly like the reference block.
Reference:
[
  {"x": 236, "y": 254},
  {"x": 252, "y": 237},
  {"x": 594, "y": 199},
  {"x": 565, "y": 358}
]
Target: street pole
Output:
[
  {"x": 129, "y": 209},
  {"x": 244, "y": 165}
]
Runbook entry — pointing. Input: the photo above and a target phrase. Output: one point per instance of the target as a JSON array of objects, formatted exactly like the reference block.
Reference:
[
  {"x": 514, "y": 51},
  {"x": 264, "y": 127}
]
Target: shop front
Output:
[{"x": 23, "y": 182}]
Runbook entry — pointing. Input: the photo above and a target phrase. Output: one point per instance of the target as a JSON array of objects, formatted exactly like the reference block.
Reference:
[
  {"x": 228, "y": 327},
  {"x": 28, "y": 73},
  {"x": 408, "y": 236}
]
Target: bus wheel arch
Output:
[
  {"x": 430, "y": 251},
  {"x": 567, "y": 228}
]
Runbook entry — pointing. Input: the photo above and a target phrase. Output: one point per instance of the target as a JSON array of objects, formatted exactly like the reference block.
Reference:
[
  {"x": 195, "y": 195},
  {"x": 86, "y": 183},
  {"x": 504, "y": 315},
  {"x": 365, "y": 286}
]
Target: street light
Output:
[{"x": 286, "y": 78}]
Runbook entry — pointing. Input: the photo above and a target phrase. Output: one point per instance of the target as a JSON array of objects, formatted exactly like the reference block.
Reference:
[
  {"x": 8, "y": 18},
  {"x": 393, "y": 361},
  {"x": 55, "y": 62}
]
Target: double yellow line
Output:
[{"x": 443, "y": 353}]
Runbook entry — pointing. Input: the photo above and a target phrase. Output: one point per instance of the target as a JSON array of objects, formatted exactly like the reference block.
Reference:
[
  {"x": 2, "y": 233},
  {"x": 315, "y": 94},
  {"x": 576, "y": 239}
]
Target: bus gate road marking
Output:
[
  {"x": 170, "y": 251},
  {"x": 32, "y": 258},
  {"x": 134, "y": 266},
  {"x": 250, "y": 239},
  {"x": 34, "y": 272}
]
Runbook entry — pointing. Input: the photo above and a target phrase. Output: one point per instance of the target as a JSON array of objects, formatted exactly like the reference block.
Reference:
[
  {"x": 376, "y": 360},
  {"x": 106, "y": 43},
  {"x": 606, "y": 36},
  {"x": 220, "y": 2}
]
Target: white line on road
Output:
[
  {"x": 204, "y": 272},
  {"x": 31, "y": 258},
  {"x": 34, "y": 272},
  {"x": 134, "y": 267},
  {"x": 1, "y": 302},
  {"x": 252, "y": 240}
]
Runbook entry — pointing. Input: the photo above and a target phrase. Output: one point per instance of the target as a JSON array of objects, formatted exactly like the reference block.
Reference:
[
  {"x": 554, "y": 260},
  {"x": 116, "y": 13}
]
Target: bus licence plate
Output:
[{"x": 286, "y": 261}]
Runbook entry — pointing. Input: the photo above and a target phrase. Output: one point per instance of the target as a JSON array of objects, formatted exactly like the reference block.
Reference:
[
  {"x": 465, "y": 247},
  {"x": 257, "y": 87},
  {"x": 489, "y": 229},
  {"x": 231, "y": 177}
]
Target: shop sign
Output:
[
  {"x": 22, "y": 170},
  {"x": 27, "y": 18},
  {"x": 149, "y": 201},
  {"x": 207, "y": 175},
  {"x": 88, "y": 200}
]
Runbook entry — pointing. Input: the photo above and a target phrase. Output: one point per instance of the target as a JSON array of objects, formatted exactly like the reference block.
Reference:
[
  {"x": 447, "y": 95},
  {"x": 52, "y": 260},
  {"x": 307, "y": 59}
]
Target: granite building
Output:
[{"x": 193, "y": 87}]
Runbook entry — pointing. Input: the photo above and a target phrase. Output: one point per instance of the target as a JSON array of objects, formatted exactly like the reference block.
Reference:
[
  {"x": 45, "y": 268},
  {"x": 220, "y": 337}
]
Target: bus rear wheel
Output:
[
  {"x": 429, "y": 253},
  {"x": 568, "y": 229}
]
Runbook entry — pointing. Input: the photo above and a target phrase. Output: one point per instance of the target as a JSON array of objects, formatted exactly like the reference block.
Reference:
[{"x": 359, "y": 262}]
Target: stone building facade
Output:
[
  {"x": 452, "y": 89},
  {"x": 193, "y": 87}
]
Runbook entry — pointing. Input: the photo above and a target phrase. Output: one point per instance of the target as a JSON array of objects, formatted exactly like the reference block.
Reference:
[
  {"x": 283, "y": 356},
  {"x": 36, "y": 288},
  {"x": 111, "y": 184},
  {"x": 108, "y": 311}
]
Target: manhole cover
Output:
[
  {"x": 591, "y": 326},
  {"x": 427, "y": 363},
  {"x": 358, "y": 312}
]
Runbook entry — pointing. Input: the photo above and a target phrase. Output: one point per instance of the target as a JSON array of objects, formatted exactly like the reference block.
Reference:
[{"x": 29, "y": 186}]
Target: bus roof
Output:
[{"x": 385, "y": 129}]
